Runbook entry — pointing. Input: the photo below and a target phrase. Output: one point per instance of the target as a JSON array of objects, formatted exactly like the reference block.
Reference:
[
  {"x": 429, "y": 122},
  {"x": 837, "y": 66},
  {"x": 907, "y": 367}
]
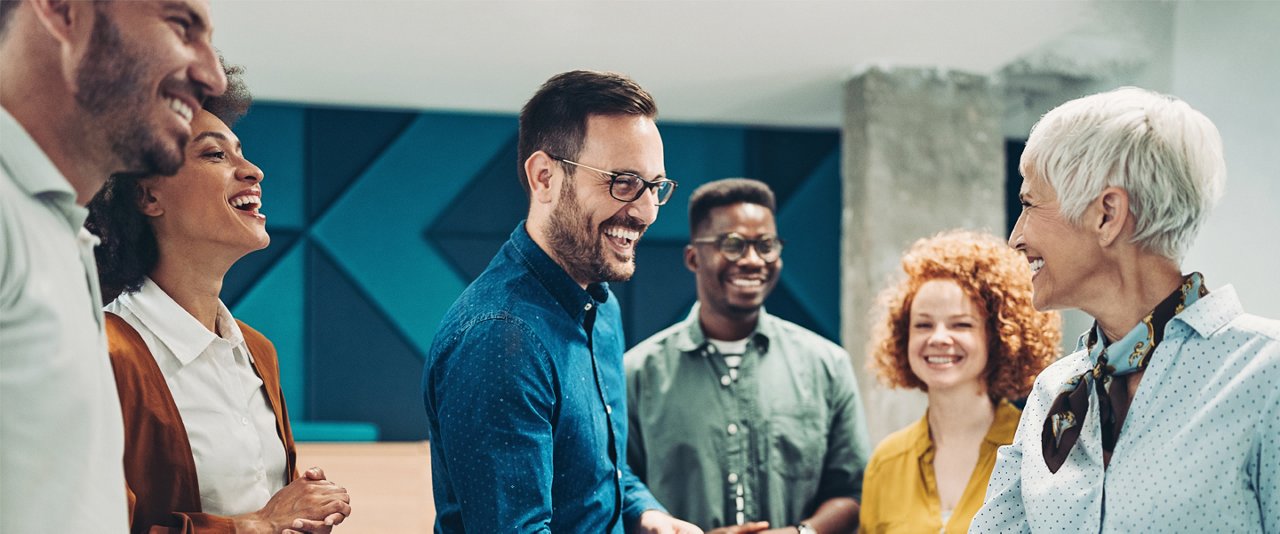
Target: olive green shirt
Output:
[{"x": 785, "y": 436}]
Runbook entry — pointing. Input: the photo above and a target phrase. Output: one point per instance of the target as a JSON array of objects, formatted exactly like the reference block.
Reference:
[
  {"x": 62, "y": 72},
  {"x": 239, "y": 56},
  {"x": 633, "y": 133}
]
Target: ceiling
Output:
[{"x": 758, "y": 62}]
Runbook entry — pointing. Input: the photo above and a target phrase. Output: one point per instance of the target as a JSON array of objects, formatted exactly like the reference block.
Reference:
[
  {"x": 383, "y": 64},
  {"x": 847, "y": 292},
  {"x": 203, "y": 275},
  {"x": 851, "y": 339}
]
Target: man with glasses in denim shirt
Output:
[
  {"x": 739, "y": 420},
  {"x": 523, "y": 385}
]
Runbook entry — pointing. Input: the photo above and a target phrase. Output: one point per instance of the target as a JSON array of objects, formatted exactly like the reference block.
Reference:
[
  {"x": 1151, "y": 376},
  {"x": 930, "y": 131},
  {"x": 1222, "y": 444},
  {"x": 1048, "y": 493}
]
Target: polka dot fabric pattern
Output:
[
  {"x": 526, "y": 404},
  {"x": 1199, "y": 451}
]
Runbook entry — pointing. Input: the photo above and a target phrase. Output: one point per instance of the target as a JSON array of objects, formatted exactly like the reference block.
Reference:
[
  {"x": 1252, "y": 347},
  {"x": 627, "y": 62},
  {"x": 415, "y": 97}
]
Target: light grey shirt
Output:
[
  {"x": 1199, "y": 451},
  {"x": 61, "y": 432}
]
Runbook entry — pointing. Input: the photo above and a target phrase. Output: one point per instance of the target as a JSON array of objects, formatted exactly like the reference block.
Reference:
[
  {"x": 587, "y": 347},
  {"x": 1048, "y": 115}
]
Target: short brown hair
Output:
[
  {"x": 1020, "y": 340},
  {"x": 555, "y": 119}
]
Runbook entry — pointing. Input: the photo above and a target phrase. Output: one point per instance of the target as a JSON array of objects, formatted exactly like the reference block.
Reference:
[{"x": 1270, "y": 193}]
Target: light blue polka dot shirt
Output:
[{"x": 1199, "y": 451}]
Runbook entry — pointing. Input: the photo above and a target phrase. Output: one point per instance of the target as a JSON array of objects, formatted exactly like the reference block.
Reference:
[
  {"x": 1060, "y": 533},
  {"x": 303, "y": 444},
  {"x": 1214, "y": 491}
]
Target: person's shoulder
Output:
[
  {"x": 1243, "y": 340},
  {"x": 654, "y": 346},
  {"x": 1248, "y": 323},
  {"x": 12, "y": 231},
  {"x": 251, "y": 334},
  {"x": 792, "y": 333},
  {"x": 489, "y": 324},
  {"x": 1048, "y": 384},
  {"x": 1064, "y": 368},
  {"x": 127, "y": 350},
  {"x": 495, "y": 295},
  {"x": 901, "y": 443}
]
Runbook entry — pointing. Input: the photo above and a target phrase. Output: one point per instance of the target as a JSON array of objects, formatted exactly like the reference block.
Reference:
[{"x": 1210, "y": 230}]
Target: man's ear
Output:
[
  {"x": 148, "y": 204},
  {"x": 67, "y": 21},
  {"x": 1113, "y": 211},
  {"x": 540, "y": 169},
  {"x": 691, "y": 258}
]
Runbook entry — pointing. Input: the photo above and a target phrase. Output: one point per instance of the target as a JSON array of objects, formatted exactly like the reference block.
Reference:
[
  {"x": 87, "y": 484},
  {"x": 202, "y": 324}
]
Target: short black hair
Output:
[
  {"x": 727, "y": 192},
  {"x": 555, "y": 119},
  {"x": 129, "y": 251}
]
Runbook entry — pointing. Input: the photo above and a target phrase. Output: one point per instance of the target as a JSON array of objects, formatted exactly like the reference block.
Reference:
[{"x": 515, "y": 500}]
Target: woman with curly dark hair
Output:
[
  {"x": 960, "y": 327},
  {"x": 208, "y": 445}
]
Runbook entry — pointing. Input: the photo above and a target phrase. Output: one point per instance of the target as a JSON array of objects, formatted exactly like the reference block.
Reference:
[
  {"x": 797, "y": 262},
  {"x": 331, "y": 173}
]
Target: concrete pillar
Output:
[{"x": 923, "y": 152}]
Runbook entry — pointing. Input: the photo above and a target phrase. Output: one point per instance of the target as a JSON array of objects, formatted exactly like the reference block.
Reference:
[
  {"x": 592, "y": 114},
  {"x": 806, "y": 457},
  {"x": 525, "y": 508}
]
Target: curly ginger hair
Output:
[{"x": 1020, "y": 340}]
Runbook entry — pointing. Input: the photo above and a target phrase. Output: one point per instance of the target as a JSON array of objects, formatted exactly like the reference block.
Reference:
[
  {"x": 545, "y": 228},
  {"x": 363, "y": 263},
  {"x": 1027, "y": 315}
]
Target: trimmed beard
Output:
[
  {"x": 110, "y": 88},
  {"x": 579, "y": 245}
]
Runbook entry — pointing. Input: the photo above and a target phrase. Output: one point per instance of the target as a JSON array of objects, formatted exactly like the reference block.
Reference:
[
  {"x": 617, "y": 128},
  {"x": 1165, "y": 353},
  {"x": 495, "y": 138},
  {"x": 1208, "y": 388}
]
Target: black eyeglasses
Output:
[
  {"x": 734, "y": 246},
  {"x": 628, "y": 187}
]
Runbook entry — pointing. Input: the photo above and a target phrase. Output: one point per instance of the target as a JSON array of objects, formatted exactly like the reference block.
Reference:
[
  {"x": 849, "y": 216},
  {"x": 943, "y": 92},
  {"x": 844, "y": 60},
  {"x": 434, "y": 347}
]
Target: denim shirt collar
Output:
[
  {"x": 691, "y": 338},
  {"x": 575, "y": 301}
]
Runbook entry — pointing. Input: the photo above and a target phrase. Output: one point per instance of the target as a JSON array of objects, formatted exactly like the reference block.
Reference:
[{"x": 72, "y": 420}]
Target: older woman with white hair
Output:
[{"x": 1167, "y": 417}]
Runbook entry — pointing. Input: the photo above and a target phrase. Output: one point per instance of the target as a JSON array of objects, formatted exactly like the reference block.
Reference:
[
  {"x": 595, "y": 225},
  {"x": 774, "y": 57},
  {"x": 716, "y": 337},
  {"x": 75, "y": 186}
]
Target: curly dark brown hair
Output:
[{"x": 1020, "y": 340}]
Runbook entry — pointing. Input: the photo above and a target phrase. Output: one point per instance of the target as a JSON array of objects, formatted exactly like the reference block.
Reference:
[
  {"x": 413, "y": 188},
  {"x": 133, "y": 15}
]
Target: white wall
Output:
[{"x": 1226, "y": 63}]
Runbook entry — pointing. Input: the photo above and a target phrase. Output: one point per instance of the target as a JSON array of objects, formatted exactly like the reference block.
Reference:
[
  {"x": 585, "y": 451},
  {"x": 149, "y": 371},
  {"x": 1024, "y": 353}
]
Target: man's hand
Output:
[
  {"x": 308, "y": 504},
  {"x": 655, "y": 522},
  {"x": 746, "y": 528}
]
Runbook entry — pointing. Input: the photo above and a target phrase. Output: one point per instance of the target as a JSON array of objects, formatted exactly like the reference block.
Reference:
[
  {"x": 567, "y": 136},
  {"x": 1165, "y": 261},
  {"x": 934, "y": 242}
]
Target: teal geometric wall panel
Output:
[
  {"x": 341, "y": 143},
  {"x": 380, "y": 218},
  {"x": 469, "y": 231},
  {"x": 245, "y": 273},
  {"x": 274, "y": 139},
  {"x": 276, "y": 306},
  {"x": 374, "y": 229},
  {"x": 811, "y": 221},
  {"x": 789, "y": 157},
  {"x": 362, "y": 368},
  {"x": 694, "y": 156}
]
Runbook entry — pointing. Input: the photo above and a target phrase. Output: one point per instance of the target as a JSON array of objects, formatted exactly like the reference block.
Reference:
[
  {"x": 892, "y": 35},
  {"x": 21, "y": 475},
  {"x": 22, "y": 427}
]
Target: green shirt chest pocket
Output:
[{"x": 797, "y": 443}]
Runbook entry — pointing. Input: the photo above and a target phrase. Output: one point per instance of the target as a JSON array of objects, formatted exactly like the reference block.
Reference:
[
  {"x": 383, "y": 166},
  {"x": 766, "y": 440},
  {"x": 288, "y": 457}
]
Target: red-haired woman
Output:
[{"x": 960, "y": 327}]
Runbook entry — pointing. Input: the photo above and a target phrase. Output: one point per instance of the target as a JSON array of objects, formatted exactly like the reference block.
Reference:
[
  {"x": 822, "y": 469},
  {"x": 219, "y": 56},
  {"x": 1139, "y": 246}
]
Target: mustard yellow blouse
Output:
[{"x": 899, "y": 493}]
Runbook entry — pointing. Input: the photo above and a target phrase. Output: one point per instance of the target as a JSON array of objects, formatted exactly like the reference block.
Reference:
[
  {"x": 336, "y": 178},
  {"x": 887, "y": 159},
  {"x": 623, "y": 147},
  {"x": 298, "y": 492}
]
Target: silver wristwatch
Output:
[{"x": 804, "y": 528}]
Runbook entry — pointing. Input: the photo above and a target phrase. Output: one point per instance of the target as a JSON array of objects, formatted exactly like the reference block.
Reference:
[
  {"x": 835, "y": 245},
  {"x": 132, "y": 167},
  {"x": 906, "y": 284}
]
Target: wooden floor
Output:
[{"x": 389, "y": 483}]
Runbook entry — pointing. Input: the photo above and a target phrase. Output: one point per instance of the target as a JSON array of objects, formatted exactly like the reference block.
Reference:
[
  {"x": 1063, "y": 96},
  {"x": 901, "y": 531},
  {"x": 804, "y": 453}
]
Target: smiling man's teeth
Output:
[
  {"x": 623, "y": 233},
  {"x": 1036, "y": 265},
  {"x": 182, "y": 108},
  {"x": 746, "y": 282},
  {"x": 246, "y": 200}
]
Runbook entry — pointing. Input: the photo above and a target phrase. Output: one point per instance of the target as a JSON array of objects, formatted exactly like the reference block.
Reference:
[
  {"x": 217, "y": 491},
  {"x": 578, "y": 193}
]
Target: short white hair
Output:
[{"x": 1165, "y": 154}]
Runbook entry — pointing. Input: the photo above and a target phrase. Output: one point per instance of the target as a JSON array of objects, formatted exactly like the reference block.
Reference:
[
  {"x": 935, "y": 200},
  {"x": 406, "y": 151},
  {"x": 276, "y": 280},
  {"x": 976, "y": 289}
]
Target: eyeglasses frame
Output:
[
  {"x": 753, "y": 244},
  {"x": 613, "y": 179}
]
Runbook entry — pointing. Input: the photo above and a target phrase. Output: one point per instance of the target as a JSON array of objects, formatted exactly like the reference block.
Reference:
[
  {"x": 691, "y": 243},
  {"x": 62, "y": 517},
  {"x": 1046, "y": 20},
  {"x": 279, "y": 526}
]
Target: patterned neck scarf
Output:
[{"x": 1127, "y": 356}]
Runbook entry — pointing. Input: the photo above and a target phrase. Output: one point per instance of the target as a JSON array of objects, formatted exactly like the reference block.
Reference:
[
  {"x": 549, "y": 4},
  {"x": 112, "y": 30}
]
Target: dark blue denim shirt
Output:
[{"x": 526, "y": 402}]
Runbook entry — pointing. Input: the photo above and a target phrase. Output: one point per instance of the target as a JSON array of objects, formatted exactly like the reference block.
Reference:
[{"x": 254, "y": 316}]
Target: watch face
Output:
[{"x": 804, "y": 528}]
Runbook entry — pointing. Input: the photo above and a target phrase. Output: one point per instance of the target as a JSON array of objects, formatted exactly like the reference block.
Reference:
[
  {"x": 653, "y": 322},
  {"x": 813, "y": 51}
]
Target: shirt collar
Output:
[
  {"x": 1212, "y": 311},
  {"x": 184, "y": 336},
  {"x": 1134, "y": 349},
  {"x": 562, "y": 287},
  {"x": 33, "y": 171},
  {"x": 1003, "y": 425},
  {"x": 691, "y": 338},
  {"x": 1207, "y": 315}
]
